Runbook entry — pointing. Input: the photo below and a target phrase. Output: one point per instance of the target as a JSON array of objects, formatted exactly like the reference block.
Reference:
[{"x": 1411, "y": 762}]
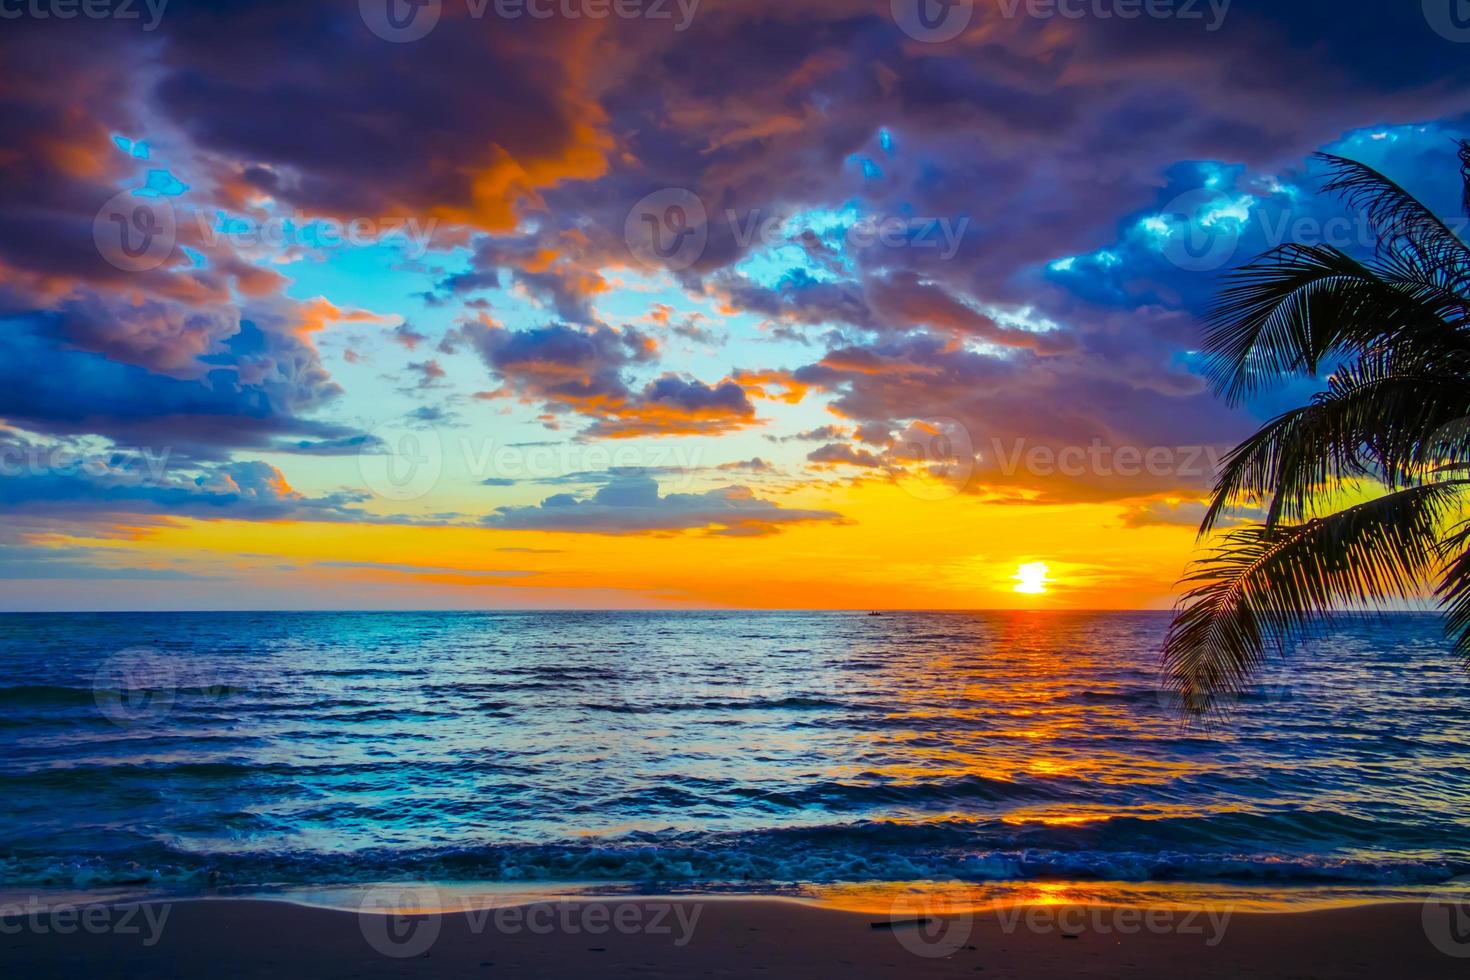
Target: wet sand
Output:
[{"x": 690, "y": 937}]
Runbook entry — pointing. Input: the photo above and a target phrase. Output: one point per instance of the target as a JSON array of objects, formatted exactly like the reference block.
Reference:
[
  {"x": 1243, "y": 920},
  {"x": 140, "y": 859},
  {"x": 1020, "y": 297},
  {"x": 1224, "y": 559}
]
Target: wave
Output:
[
  {"x": 755, "y": 861},
  {"x": 46, "y": 695},
  {"x": 716, "y": 704}
]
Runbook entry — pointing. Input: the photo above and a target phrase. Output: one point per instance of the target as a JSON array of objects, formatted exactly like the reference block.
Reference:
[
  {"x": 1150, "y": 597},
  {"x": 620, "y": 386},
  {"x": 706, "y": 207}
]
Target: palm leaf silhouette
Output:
[{"x": 1394, "y": 415}]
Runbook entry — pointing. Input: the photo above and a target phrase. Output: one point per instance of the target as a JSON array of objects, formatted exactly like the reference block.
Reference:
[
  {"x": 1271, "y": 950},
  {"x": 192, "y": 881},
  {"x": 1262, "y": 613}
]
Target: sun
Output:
[{"x": 1031, "y": 578}]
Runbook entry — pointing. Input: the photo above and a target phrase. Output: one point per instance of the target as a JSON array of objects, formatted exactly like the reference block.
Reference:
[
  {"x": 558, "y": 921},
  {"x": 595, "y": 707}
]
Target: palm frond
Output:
[
  {"x": 1289, "y": 310},
  {"x": 1454, "y": 589},
  {"x": 1389, "y": 417},
  {"x": 1465, "y": 174},
  {"x": 1285, "y": 463},
  {"x": 1408, "y": 233},
  {"x": 1270, "y": 584}
]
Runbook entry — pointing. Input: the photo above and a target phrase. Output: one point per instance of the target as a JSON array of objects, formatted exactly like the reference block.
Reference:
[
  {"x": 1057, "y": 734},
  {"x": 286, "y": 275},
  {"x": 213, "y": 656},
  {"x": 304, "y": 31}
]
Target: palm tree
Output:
[{"x": 1362, "y": 487}]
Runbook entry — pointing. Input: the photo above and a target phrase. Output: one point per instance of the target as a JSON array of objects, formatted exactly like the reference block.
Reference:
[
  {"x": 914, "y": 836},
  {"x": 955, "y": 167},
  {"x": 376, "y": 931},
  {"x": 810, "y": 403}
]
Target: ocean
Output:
[{"x": 672, "y": 752}]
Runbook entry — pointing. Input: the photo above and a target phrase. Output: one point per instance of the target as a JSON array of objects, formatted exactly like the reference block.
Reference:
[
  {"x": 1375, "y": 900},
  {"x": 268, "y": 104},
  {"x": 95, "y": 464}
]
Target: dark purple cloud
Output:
[{"x": 586, "y": 371}]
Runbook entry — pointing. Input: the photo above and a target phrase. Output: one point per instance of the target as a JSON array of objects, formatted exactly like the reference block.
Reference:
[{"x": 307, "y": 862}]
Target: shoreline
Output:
[
  {"x": 876, "y": 898},
  {"x": 685, "y": 936}
]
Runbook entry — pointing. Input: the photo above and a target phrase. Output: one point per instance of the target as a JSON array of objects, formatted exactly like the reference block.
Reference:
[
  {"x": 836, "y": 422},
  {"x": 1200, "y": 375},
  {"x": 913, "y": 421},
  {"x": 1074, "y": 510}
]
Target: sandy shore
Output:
[{"x": 688, "y": 937}]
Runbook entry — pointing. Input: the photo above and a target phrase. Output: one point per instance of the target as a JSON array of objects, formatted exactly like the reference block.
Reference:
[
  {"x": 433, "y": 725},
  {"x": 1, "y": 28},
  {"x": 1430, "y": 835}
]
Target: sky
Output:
[{"x": 656, "y": 303}]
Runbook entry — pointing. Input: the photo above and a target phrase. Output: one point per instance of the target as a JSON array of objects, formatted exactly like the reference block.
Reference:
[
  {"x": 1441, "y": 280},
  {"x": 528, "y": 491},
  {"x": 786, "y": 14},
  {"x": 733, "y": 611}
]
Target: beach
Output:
[{"x": 723, "y": 938}]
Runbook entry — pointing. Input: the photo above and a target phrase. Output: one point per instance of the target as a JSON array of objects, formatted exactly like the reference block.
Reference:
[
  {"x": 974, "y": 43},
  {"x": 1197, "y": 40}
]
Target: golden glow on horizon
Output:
[
  {"x": 896, "y": 552},
  {"x": 1031, "y": 578}
]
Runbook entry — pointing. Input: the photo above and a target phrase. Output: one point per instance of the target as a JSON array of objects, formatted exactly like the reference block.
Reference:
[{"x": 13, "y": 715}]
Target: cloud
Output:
[
  {"x": 1056, "y": 321},
  {"x": 583, "y": 371},
  {"x": 250, "y": 395},
  {"x": 77, "y": 481},
  {"x": 837, "y": 453},
  {"x": 1053, "y": 431},
  {"x": 671, "y": 405},
  {"x": 41, "y": 562},
  {"x": 496, "y": 116},
  {"x": 407, "y": 336},
  {"x": 753, "y": 465},
  {"x": 630, "y": 503},
  {"x": 819, "y": 434},
  {"x": 431, "y": 373}
]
